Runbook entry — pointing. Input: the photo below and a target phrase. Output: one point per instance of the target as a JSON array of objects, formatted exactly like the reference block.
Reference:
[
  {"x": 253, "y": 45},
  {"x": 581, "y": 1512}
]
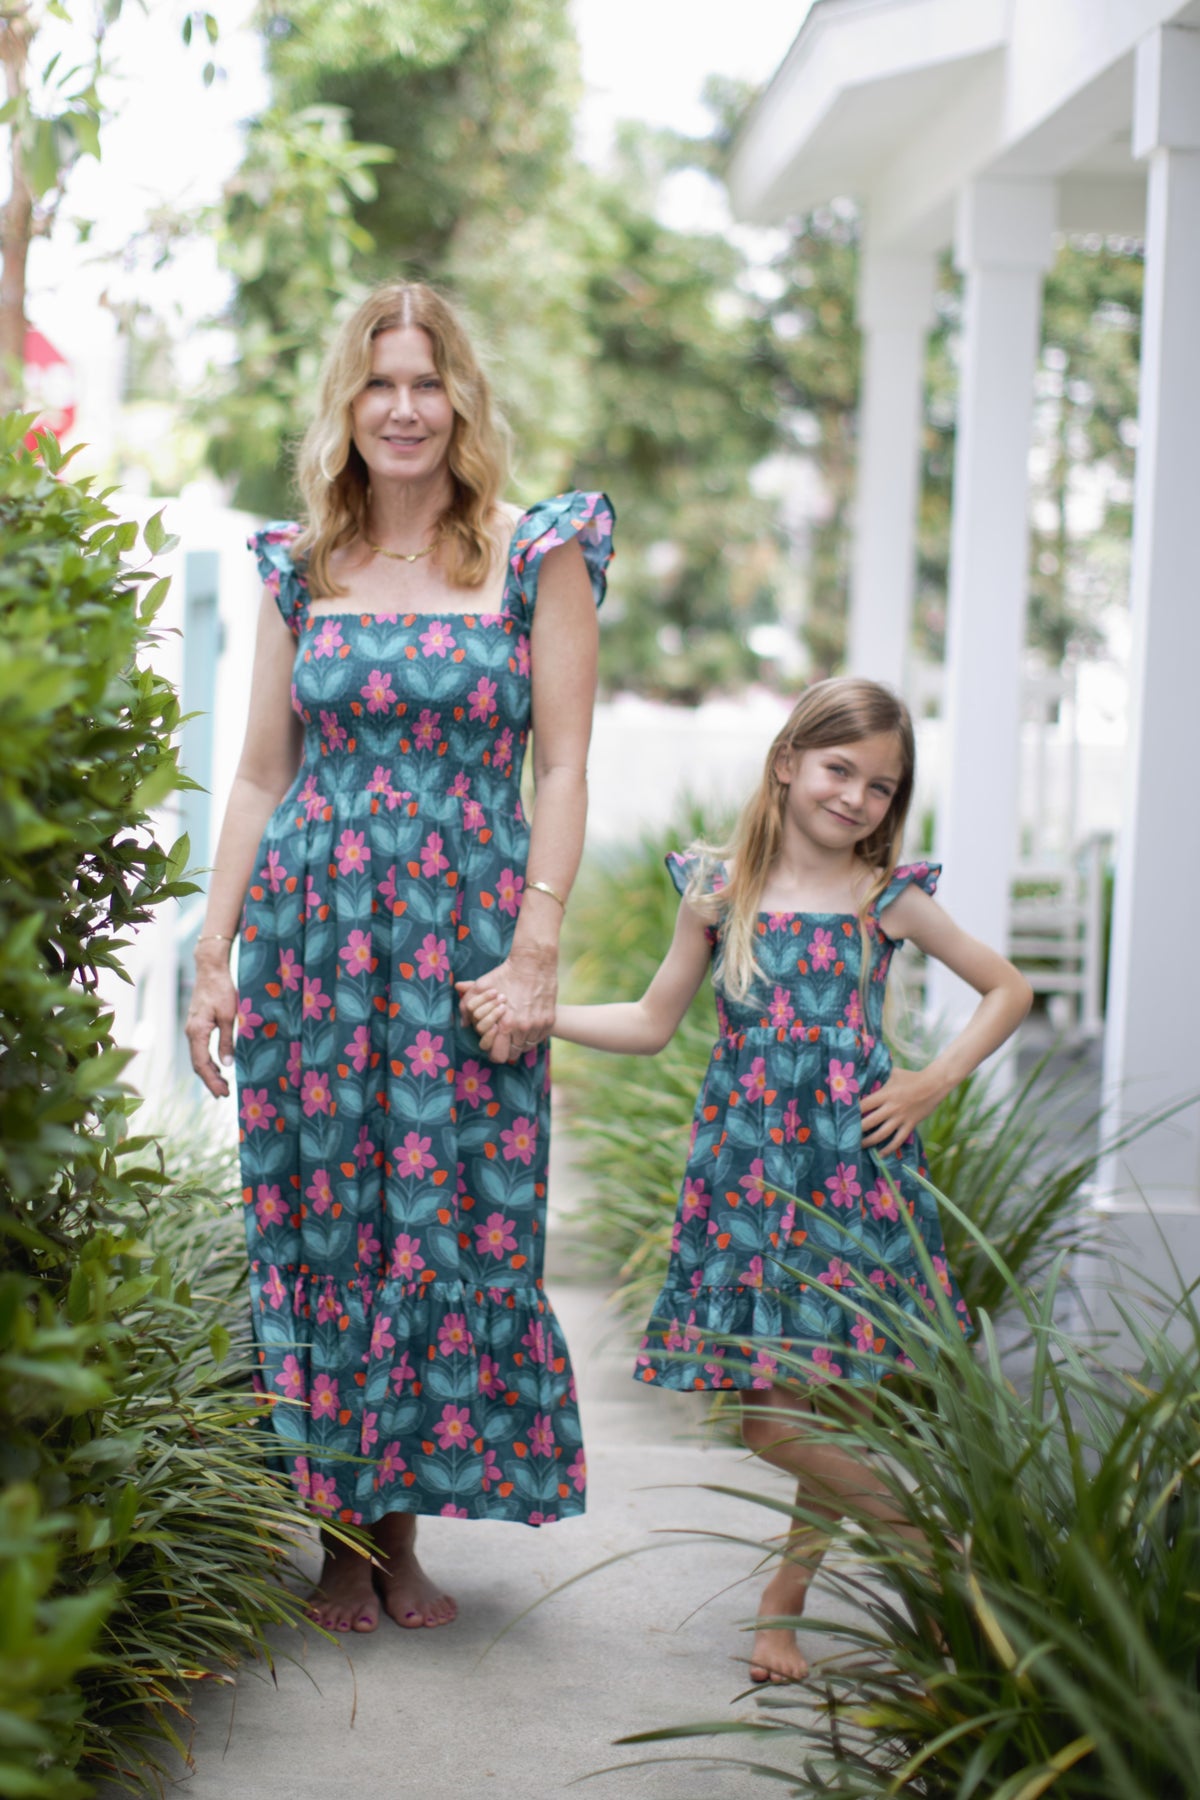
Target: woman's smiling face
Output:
[{"x": 402, "y": 422}]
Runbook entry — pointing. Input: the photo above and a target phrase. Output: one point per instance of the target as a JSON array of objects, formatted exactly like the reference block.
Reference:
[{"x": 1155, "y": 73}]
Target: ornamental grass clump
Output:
[
  {"x": 1038, "y": 1632},
  {"x": 141, "y": 1530}
]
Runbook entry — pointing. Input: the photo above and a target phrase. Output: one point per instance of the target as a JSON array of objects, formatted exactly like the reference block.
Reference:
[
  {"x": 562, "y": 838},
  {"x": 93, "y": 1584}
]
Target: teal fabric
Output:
[
  {"x": 752, "y": 1274},
  {"x": 395, "y": 1179}
]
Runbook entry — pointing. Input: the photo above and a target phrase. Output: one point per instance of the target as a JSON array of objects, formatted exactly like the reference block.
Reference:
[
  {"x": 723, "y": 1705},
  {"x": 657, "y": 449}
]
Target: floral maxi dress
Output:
[
  {"x": 751, "y": 1274},
  {"x": 394, "y": 1179}
]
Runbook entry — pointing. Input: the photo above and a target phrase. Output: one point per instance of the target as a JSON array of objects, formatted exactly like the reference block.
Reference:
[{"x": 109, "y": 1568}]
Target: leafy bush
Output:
[
  {"x": 1038, "y": 1632},
  {"x": 139, "y": 1528}
]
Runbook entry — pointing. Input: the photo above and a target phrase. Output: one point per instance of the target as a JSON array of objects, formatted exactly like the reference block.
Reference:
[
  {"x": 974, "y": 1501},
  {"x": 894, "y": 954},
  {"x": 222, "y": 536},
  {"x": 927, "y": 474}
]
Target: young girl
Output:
[{"x": 799, "y": 916}]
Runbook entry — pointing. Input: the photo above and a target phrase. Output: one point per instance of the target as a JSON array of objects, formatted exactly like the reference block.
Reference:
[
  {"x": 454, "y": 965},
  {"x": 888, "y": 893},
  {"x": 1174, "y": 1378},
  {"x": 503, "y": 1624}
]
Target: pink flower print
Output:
[
  {"x": 882, "y": 1201},
  {"x": 695, "y": 1199},
  {"x": 577, "y": 1471},
  {"x": 364, "y": 1149},
  {"x": 820, "y": 949},
  {"x": 781, "y": 1011},
  {"x": 754, "y": 1183},
  {"x": 491, "y": 1381},
  {"x": 268, "y": 1207},
  {"x": 454, "y": 1429},
  {"x": 356, "y": 953},
  {"x": 521, "y": 1142},
  {"x": 437, "y": 638},
  {"x": 482, "y": 698},
  {"x": 323, "y": 1494},
  {"x": 320, "y": 1191},
  {"x": 369, "y": 1435},
  {"x": 824, "y": 1368},
  {"x": 359, "y": 1048},
  {"x": 352, "y": 852},
  {"x": 257, "y": 1111},
  {"x": 432, "y": 860},
  {"x": 291, "y": 1378},
  {"x": 274, "y": 874},
  {"x": 549, "y": 540},
  {"x": 502, "y": 750},
  {"x": 316, "y": 1093},
  {"x": 312, "y": 800},
  {"x": 474, "y": 816},
  {"x": 332, "y": 730},
  {"x": 381, "y": 780},
  {"x": 471, "y": 1084},
  {"x": 387, "y": 887},
  {"x": 843, "y": 1084},
  {"x": 328, "y": 639},
  {"x": 247, "y": 1019},
  {"x": 401, "y": 1372},
  {"x": 315, "y": 1000},
  {"x": 755, "y": 1083},
  {"x": 368, "y": 1243},
  {"x": 391, "y": 1464},
  {"x": 491, "y": 1469},
  {"x": 521, "y": 656},
  {"x": 293, "y": 1062},
  {"x": 541, "y": 1435},
  {"x": 312, "y": 899},
  {"x": 676, "y": 1238},
  {"x": 381, "y": 1335},
  {"x": 274, "y": 1292},
  {"x": 509, "y": 888},
  {"x": 426, "y": 1056},
  {"x": 450, "y": 1511},
  {"x": 377, "y": 692},
  {"x": 324, "y": 1397},
  {"x": 412, "y": 1157},
  {"x": 752, "y": 1274},
  {"x": 838, "y": 1274},
  {"x": 289, "y": 970},
  {"x": 763, "y": 1369},
  {"x": 779, "y": 921},
  {"x": 535, "y": 1341},
  {"x": 842, "y": 1187},
  {"x": 942, "y": 1272},
  {"x": 460, "y": 787},
  {"x": 427, "y": 729},
  {"x": 432, "y": 959},
  {"x": 597, "y": 527},
  {"x": 791, "y": 1122},
  {"x": 863, "y": 1332},
  {"x": 453, "y": 1335},
  {"x": 495, "y": 1237},
  {"x": 854, "y": 1010},
  {"x": 328, "y": 1304}
]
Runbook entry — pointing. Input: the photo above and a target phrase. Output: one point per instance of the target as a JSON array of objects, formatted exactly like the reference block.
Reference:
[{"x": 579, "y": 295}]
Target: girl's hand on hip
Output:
[
  {"x": 892, "y": 1113},
  {"x": 213, "y": 1008}
]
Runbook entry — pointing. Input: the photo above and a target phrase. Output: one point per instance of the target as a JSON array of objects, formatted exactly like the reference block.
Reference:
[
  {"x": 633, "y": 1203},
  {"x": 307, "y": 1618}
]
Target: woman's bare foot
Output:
[
  {"x": 409, "y": 1597},
  {"x": 345, "y": 1597},
  {"x": 776, "y": 1656}
]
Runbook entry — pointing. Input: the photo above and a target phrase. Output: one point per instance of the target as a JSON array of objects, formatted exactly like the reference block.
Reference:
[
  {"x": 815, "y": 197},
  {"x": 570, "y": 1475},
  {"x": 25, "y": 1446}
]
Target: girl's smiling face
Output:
[{"x": 838, "y": 795}]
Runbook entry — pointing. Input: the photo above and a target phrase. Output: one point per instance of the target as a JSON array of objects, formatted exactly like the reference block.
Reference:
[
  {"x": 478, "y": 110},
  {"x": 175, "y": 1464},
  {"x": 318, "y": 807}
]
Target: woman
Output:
[{"x": 412, "y": 633}]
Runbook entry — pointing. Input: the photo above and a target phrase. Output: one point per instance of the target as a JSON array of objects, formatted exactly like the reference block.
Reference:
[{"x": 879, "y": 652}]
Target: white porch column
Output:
[
  {"x": 895, "y": 313},
  {"x": 1004, "y": 243},
  {"x": 1152, "y": 1047}
]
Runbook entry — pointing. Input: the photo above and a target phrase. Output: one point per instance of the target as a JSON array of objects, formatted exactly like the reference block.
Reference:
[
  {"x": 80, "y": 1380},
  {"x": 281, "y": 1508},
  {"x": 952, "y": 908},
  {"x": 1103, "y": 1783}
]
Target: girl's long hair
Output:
[
  {"x": 332, "y": 476},
  {"x": 843, "y": 710}
]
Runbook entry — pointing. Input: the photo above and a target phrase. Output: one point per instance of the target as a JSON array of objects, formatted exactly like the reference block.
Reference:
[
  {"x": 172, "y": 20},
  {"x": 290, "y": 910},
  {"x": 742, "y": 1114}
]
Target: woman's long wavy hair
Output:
[
  {"x": 840, "y": 711},
  {"x": 332, "y": 476}
]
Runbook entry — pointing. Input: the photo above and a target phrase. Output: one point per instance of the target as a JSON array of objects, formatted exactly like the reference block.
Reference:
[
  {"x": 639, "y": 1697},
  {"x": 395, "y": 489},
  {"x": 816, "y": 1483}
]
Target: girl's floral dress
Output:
[
  {"x": 751, "y": 1274},
  {"x": 395, "y": 1179}
]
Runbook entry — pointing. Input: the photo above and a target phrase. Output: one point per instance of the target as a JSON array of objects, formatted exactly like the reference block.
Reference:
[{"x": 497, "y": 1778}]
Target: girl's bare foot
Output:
[
  {"x": 409, "y": 1597},
  {"x": 344, "y": 1598},
  {"x": 776, "y": 1656}
]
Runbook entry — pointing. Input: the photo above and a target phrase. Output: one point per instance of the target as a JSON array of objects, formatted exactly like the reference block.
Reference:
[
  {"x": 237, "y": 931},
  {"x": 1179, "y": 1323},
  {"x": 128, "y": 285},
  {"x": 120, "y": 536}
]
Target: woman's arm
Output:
[
  {"x": 564, "y": 648},
  {"x": 910, "y": 1095},
  {"x": 267, "y": 767}
]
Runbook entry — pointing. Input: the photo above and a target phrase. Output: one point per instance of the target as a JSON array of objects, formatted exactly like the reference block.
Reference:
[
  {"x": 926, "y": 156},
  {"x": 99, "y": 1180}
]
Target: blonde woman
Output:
[
  {"x": 799, "y": 916},
  {"x": 414, "y": 632}
]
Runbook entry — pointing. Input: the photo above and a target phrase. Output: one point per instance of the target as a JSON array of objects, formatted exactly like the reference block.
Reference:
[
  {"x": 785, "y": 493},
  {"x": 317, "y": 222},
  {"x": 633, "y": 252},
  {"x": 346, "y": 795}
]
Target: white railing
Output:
[{"x": 1056, "y": 930}]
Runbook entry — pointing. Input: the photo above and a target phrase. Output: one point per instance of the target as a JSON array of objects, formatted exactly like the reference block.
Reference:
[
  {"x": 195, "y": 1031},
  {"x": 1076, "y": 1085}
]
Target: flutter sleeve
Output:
[
  {"x": 586, "y": 517},
  {"x": 923, "y": 875},
  {"x": 272, "y": 547},
  {"x": 696, "y": 877}
]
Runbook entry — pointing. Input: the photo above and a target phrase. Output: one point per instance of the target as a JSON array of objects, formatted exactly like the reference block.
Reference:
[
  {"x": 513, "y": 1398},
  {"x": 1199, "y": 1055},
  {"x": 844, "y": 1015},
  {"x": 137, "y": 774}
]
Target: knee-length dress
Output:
[
  {"x": 751, "y": 1274},
  {"x": 394, "y": 1178}
]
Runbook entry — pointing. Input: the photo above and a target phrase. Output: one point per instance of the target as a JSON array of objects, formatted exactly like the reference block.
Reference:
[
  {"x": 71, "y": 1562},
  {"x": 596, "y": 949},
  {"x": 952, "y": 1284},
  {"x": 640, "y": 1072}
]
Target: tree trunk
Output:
[{"x": 16, "y": 221}]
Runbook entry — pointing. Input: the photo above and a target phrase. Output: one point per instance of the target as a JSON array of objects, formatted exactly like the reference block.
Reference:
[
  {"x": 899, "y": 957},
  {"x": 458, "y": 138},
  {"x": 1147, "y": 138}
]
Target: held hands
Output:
[
  {"x": 892, "y": 1113},
  {"x": 213, "y": 1008},
  {"x": 512, "y": 1006}
]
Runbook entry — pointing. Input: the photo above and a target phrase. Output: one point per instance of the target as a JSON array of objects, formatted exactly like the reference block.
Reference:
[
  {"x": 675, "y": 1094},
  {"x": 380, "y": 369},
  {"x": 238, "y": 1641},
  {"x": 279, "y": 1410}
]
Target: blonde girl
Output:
[{"x": 798, "y": 916}]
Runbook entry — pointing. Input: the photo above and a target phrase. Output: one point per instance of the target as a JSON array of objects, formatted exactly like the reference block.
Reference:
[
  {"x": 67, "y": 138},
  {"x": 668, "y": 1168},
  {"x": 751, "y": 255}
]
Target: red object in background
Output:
[{"x": 49, "y": 385}]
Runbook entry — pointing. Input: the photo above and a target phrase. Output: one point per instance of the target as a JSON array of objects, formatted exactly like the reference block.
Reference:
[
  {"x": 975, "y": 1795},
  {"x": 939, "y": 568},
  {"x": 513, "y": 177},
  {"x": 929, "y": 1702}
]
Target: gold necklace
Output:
[{"x": 402, "y": 555}]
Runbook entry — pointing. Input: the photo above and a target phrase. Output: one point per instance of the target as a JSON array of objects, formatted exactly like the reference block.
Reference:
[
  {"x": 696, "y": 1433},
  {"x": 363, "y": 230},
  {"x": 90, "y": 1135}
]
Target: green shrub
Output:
[
  {"x": 1039, "y": 1633},
  {"x": 139, "y": 1528}
]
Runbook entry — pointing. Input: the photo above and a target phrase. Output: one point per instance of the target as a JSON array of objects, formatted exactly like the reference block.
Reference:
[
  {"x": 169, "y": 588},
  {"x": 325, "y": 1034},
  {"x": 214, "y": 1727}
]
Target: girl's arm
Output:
[
  {"x": 633, "y": 1027},
  {"x": 267, "y": 768},
  {"x": 895, "y": 1110}
]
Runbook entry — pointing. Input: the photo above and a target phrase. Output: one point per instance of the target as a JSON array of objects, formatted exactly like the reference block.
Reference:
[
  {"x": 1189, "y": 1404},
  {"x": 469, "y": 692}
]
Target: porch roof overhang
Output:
[{"x": 899, "y": 103}]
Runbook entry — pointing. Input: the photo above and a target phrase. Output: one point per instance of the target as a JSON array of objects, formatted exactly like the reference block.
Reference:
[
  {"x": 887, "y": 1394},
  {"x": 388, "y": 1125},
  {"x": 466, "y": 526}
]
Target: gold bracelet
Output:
[
  {"x": 543, "y": 887},
  {"x": 214, "y": 937}
]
